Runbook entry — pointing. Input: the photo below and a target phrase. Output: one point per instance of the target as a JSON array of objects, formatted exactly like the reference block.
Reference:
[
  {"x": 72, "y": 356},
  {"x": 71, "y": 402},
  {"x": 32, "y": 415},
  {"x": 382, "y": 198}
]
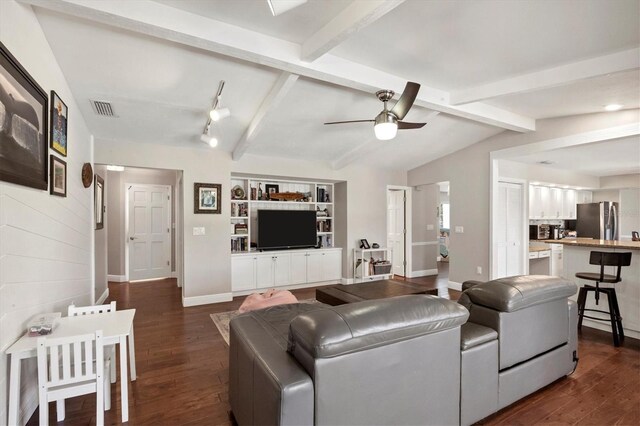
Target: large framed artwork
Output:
[
  {"x": 206, "y": 198},
  {"x": 59, "y": 116},
  {"x": 23, "y": 125}
]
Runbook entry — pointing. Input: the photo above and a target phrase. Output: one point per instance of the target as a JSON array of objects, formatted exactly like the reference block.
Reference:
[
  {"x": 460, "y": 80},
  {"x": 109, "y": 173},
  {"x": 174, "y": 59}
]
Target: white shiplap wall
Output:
[{"x": 46, "y": 242}]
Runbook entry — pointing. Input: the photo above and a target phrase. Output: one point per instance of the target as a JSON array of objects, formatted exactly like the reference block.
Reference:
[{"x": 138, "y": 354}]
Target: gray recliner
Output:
[{"x": 404, "y": 360}]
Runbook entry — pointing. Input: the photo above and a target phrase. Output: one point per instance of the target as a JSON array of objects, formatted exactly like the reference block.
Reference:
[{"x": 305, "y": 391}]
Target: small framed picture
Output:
[
  {"x": 271, "y": 189},
  {"x": 206, "y": 198},
  {"x": 57, "y": 176},
  {"x": 364, "y": 244},
  {"x": 59, "y": 114}
]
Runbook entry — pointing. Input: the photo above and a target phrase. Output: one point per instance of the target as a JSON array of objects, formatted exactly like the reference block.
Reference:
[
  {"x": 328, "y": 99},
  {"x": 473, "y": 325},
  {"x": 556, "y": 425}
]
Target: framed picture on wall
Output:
[
  {"x": 58, "y": 176},
  {"x": 23, "y": 125},
  {"x": 99, "y": 201},
  {"x": 59, "y": 114},
  {"x": 206, "y": 198}
]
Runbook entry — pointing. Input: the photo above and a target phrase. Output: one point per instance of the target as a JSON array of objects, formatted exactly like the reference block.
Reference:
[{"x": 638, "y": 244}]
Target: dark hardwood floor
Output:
[{"x": 182, "y": 365}]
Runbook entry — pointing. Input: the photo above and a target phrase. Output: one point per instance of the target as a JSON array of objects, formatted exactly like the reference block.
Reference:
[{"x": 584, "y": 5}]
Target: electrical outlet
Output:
[
  {"x": 429, "y": 227},
  {"x": 459, "y": 229},
  {"x": 199, "y": 230},
  {"x": 479, "y": 270}
]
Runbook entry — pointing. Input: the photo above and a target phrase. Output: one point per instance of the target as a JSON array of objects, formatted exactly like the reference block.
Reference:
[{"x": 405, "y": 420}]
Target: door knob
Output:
[{"x": 132, "y": 238}]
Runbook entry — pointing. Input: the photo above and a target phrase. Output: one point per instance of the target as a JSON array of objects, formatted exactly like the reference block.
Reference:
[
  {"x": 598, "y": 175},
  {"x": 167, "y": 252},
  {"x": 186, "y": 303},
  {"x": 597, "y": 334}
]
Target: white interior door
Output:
[
  {"x": 508, "y": 235},
  {"x": 149, "y": 232},
  {"x": 396, "y": 229}
]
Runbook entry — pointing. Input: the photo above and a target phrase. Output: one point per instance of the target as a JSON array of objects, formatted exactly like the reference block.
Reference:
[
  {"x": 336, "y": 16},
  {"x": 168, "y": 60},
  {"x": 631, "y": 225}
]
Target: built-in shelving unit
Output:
[{"x": 244, "y": 207}]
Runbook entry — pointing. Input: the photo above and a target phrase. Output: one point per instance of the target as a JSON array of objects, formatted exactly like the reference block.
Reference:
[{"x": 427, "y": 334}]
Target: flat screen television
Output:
[{"x": 284, "y": 229}]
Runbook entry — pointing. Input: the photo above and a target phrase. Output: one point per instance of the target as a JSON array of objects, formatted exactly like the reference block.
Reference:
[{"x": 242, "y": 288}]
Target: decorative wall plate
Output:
[
  {"x": 87, "y": 175},
  {"x": 237, "y": 193}
]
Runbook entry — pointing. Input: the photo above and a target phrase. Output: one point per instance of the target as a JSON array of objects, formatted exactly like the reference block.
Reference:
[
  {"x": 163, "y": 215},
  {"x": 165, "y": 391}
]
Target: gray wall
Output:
[
  {"x": 116, "y": 202},
  {"x": 468, "y": 172}
]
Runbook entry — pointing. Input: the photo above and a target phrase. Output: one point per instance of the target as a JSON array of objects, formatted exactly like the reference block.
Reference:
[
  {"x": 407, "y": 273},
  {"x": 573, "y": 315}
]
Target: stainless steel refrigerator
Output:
[{"x": 598, "y": 220}]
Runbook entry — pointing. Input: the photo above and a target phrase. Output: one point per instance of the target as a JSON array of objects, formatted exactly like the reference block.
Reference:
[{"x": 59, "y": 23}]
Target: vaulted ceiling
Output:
[{"x": 485, "y": 67}]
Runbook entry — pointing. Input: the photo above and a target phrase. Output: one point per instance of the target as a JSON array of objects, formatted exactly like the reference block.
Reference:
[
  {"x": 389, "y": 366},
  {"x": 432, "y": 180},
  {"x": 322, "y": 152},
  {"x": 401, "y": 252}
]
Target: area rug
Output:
[{"x": 222, "y": 319}]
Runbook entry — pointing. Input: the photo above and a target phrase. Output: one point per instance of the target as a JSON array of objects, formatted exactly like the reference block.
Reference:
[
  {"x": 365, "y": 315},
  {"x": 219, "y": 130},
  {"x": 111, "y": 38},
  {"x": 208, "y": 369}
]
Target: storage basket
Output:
[{"x": 381, "y": 268}]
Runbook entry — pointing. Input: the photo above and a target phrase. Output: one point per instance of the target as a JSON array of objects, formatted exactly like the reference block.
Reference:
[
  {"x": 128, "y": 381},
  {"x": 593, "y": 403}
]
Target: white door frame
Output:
[
  {"x": 126, "y": 223},
  {"x": 407, "y": 224},
  {"x": 524, "y": 217},
  {"x": 545, "y": 145}
]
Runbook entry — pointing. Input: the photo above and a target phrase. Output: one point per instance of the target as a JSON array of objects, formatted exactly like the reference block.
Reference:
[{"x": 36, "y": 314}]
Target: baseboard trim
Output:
[
  {"x": 174, "y": 274},
  {"x": 116, "y": 278},
  {"x": 455, "y": 285},
  {"x": 206, "y": 299},
  {"x": 606, "y": 327},
  {"x": 423, "y": 273},
  {"x": 347, "y": 281},
  {"x": 103, "y": 297}
]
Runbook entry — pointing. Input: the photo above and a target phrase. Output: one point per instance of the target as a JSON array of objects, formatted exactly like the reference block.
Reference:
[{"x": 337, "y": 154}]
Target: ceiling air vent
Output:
[
  {"x": 546, "y": 162},
  {"x": 103, "y": 108}
]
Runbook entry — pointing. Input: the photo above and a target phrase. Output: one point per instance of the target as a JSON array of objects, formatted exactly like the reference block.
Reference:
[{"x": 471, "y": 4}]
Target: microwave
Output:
[{"x": 538, "y": 232}]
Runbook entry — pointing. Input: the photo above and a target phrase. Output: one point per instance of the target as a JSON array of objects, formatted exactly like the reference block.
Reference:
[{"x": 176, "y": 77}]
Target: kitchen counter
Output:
[
  {"x": 590, "y": 242},
  {"x": 534, "y": 249}
]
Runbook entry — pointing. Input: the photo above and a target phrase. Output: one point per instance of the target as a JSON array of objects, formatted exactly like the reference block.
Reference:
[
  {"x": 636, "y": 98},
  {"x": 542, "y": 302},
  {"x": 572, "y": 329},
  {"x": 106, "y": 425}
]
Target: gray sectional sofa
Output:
[{"x": 405, "y": 360}]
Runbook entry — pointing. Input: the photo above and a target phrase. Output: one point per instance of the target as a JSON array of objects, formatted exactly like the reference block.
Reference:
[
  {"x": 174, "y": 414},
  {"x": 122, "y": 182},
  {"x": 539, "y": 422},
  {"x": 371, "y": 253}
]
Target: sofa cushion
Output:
[
  {"x": 474, "y": 335},
  {"x": 514, "y": 293},
  {"x": 364, "y": 325}
]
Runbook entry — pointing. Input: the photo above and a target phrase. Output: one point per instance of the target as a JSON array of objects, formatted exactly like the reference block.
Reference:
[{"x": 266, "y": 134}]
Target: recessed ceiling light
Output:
[
  {"x": 613, "y": 107},
  {"x": 113, "y": 168}
]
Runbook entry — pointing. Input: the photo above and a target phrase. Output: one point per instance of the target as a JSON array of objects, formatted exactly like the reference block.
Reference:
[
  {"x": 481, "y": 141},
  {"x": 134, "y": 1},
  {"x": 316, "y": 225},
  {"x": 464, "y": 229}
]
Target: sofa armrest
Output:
[
  {"x": 470, "y": 283},
  {"x": 266, "y": 384}
]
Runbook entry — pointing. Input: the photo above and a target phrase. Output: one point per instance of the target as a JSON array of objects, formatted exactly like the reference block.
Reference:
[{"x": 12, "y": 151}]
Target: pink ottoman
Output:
[{"x": 271, "y": 297}]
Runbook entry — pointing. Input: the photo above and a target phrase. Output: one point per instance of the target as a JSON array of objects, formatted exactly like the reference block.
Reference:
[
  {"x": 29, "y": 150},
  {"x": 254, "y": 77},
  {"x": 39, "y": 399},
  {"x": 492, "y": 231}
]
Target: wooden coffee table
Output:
[{"x": 341, "y": 294}]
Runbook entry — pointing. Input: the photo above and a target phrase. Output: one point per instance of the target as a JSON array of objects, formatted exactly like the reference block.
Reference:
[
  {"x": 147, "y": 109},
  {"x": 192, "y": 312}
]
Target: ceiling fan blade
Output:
[
  {"x": 407, "y": 125},
  {"x": 402, "y": 107},
  {"x": 352, "y": 121}
]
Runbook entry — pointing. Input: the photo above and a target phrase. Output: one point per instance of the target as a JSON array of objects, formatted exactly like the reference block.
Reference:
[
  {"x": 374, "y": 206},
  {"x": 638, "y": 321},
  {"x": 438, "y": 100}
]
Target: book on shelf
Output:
[
  {"x": 239, "y": 244},
  {"x": 240, "y": 228}
]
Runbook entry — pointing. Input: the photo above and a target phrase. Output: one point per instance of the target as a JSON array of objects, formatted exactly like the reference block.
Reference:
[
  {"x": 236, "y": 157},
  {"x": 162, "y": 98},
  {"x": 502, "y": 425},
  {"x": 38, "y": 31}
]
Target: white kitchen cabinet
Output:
[
  {"x": 539, "y": 202},
  {"x": 278, "y": 269},
  {"x": 243, "y": 272},
  {"x": 584, "y": 197},
  {"x": 555, "y": 203},
  {"x": 569, "y": 204},
  {"x": 557, "y": 265}
]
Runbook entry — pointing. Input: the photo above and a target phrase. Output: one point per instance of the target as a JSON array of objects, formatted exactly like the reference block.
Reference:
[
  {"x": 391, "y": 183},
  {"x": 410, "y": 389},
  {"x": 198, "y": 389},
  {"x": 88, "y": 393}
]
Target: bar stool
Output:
[{"x": 604, "y": 259}]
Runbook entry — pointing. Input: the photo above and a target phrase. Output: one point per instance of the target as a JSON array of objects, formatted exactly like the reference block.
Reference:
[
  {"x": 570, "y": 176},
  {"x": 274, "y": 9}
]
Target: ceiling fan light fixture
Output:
[
  {"x": 386, "y": 126},
  {"x": 219, "y": 113},
  {"x": 385, "y": 131}
]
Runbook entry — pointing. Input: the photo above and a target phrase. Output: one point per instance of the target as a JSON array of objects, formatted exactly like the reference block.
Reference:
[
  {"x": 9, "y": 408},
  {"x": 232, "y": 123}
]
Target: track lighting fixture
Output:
[{"x": 215, "y": 114}]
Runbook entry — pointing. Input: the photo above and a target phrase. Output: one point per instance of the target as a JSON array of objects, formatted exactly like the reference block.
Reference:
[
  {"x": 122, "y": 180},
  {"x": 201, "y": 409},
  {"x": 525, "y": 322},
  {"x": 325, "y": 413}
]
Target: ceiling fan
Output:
[{"x": 388, "y": 122}]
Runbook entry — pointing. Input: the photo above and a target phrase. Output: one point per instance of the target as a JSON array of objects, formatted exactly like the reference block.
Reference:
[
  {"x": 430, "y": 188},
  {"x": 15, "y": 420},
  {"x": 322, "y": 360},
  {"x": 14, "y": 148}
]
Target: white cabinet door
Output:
[
  {"x": 545, "y": 202},
  {"x": 281, "y": 267},
  {"x": 264, "y": 271},
  {"x": 243, "y": 273},
  {"x": 314, "y": 267},
  {"x": 557, "y": 267},
  {"x": 331, "y": 265},
  {"x": 298, "y": 268},
  {"x": 569, "y": 204},
  {"x": 585, "y": 197},
  {"x": 535, "y": 202},
  {"x": 555, "y": 203},
  {"x": 508, "y": 235}
]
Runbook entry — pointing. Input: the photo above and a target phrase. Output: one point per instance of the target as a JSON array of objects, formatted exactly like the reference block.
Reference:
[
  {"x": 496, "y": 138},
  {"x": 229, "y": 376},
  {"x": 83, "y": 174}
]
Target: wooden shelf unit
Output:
[
  {"x": 361, "y": 263},
  {"x": 314, "y": 189}
]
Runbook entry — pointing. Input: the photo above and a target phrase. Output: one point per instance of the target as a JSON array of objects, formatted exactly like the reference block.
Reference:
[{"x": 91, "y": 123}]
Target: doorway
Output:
[
  {"x": 444, "y": 227},
  {"x": 398, "y": 222},
  {"x": 148, "y": 231}
]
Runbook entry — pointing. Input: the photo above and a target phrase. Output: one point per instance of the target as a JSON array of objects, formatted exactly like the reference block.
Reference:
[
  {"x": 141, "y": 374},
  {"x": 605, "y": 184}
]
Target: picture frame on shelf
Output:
[
  {"x": 364, "y": 244},
  {"x": 206, "y": 198},
  {"x": 59, "y": 117},
  {"x": 58, "y": 176},
  {"x": 99, "y": 201},
  {"x": 23, "y": 161},
  {"x": 271, "y": 189}
]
